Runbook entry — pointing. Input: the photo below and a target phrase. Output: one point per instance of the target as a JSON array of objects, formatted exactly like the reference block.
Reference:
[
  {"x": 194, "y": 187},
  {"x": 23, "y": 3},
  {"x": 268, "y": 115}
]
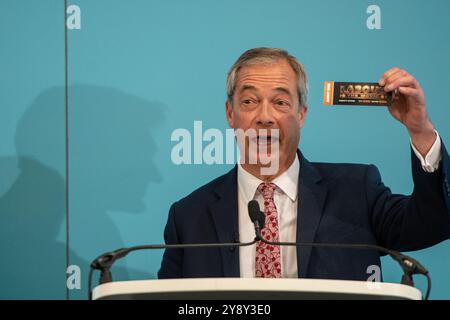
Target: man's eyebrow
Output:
[
  {"x": 283, "y": 89},
  {"x": 248, "y": 87},
  {"x": 253, "y": 88}
]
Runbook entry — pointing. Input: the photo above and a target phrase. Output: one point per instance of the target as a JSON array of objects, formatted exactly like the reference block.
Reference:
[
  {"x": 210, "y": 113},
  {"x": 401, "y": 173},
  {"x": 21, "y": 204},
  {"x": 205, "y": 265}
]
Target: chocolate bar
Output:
[{"x": 355, "y": 93}]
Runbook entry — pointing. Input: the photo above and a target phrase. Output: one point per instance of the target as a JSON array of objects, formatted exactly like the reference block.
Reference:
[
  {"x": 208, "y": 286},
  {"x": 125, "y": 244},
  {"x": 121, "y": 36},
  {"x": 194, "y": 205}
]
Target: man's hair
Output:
[{"x": 268, "y": 56}]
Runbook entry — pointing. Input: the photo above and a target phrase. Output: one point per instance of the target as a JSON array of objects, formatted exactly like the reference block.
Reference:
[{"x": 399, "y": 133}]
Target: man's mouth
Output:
[{"x": 265, "y": 140}]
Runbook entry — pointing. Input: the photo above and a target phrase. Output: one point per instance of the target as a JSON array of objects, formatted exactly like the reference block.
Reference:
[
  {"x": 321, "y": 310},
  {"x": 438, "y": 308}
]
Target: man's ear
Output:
[
  {"x": 302, "y": 115},
  {"x": 229, "y": 113}
]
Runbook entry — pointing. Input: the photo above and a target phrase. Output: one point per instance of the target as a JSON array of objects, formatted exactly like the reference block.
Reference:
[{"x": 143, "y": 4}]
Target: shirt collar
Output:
[{"x": 287, "y": 181}]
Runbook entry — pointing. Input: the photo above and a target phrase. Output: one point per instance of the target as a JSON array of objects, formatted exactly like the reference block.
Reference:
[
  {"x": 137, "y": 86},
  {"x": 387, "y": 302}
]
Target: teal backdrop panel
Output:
[
  {"x": 32, "y": 150},
  {"x": 138, "y": 70}
]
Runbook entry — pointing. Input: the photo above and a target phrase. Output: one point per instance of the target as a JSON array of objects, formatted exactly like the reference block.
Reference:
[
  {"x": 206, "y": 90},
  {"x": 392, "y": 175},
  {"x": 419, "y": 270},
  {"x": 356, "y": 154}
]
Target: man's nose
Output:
[{"x": 265, "y": 116}]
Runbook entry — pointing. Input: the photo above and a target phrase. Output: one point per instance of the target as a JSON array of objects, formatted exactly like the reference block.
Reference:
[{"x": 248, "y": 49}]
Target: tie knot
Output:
[{"x": 267, "y": 190}]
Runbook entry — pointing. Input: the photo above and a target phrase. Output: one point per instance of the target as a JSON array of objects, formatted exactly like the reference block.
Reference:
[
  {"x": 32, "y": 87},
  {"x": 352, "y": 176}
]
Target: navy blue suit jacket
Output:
[{"x": 337, "y": 203}]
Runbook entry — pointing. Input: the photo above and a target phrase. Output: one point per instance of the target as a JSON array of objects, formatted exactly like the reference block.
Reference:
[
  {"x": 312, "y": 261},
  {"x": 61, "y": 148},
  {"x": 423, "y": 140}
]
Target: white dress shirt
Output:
[
  {"x": 285, "y": 198},
  {"x": 286, "y": 201}
]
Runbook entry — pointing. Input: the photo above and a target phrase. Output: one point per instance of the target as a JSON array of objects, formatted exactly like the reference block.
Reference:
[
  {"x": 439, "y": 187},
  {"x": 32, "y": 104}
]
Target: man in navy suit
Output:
[{"x": 306, "y": 201}]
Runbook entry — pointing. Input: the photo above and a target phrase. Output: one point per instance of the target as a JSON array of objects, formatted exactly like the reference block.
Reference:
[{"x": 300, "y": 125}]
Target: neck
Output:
[{"x": 255, "y": 169}]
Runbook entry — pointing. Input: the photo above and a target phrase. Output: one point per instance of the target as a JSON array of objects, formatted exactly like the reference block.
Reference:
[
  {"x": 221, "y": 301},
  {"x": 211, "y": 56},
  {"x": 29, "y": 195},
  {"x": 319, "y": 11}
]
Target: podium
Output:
[{"x": 253, "y": 289}]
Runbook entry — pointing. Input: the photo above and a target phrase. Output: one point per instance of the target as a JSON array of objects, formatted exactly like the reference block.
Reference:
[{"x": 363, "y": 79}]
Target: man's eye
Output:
[
  {"x": 282, "y": 103},
  {"x": 247, "y": 102}
]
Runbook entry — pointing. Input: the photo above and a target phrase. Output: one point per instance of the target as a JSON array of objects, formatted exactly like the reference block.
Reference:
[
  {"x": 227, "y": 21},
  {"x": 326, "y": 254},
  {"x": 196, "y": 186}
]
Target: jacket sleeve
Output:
[
  {"x": 172, "y": 262},
  {"x": 414, "y": 222}
]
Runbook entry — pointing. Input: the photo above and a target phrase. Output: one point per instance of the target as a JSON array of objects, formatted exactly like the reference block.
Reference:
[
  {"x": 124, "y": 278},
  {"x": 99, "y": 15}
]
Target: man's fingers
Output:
[
  {"x": 385, "y": 75},
  {"x": 393, "y": 76},
  {"x": 408, "y": 91},
  {"x": 404, "y": 81}
]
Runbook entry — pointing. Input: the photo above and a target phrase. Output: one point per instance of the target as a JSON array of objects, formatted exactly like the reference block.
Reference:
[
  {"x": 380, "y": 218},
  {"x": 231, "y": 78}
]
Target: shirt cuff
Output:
[{"x": 433, "y": 157}]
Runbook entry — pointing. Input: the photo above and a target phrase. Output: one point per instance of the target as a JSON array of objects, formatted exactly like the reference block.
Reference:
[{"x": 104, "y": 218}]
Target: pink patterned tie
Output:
[{"x": 268, "y": 261}]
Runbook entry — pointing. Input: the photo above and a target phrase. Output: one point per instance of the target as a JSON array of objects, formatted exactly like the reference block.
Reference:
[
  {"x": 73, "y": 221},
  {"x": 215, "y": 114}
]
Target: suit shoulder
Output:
[
  {"x": 354, "y": 171},
  {"x": 206, "y": 192}
]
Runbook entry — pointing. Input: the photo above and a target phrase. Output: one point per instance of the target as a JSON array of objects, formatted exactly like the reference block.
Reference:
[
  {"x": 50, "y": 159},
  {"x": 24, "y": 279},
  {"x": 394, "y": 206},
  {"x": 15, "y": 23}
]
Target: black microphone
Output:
[
  {"x": 257, "y": 217},
  {"x": 409, "y": 265}
]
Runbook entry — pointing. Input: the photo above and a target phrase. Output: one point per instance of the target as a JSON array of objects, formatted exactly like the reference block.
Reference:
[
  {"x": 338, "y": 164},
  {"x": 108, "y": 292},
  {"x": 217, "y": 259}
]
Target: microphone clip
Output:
[
  {"x": 410, "y": 267},
  {"x": 105, "y": 261}
]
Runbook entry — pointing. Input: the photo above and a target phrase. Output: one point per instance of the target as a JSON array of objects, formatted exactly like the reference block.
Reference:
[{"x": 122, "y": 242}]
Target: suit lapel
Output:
[
  {"x": 311, "y": 198},
  {"x": 224, "y": 213}
]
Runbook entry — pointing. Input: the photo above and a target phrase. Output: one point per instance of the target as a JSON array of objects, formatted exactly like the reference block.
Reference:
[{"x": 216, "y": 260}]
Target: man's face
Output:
[{"x": 266, "y": 97}]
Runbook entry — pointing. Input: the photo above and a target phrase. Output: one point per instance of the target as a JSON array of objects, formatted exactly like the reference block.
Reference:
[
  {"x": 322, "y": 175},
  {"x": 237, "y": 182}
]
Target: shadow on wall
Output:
[{"x": 112, "y": 146}]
